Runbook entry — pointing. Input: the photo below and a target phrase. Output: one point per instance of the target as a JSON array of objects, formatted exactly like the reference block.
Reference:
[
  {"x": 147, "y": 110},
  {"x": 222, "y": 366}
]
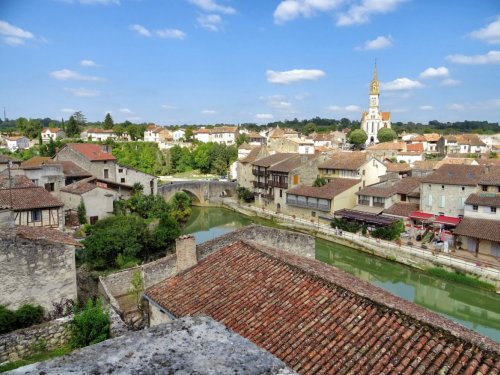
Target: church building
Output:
[{"x": 374, "y": 120}]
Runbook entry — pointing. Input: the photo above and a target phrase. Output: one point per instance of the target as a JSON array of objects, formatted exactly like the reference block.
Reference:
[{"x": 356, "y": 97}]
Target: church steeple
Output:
[{"x": 374, "y": 85}]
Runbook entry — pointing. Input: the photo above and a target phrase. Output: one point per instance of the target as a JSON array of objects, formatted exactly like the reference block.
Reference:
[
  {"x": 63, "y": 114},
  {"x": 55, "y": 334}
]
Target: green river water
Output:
[{"x": 476, "y": 309}]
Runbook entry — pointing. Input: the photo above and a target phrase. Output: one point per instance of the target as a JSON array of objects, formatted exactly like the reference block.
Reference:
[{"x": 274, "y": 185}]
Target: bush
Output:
[
  {"x": 389, "y": 233},
  {"x": 346, "y": 225},
  {"x": 7, "y": 320},
  {"x": 28, "y": 315},
  {"x": 244, "y": 194},
  {"x": 90, "y": 325}
]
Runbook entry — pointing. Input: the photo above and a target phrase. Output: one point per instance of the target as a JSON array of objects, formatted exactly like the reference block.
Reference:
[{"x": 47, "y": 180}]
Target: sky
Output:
[{"x": 174, "y": 62}]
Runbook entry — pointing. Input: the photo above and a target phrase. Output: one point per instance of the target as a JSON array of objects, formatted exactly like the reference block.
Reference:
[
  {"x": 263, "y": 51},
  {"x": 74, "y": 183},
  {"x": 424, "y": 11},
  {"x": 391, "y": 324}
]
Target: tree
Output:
[
  {"x": 137, "y": 188},
  {"x": 188, "y": 135},
  {"x": 108, "y": 122},
  {"x": 180, "y": 207},
  {"x": 320, "y": 181},
  {"x": 164, "y": 235},
  {"x": 90, "y": 325},
  {"x": 309, "y": 128},
  {"x": 80, "y": 118},
  {"x": 242, "y": 138},
  {"x": 358, "y": 137},
  {"x": 386, "y": 135},
  {"x": 81, "y": 212},
  {"x": 72, "y": 128},
  {"x": 244, "y": 194}
]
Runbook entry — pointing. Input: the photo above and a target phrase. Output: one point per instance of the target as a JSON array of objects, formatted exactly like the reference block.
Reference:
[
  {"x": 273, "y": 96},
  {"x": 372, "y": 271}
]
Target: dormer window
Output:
[{"x": 485, "y": 188}]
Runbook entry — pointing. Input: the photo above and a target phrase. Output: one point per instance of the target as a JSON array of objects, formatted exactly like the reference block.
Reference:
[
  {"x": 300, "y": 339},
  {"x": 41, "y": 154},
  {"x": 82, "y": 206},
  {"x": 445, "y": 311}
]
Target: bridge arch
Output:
[{"x": 200, "y": 192}]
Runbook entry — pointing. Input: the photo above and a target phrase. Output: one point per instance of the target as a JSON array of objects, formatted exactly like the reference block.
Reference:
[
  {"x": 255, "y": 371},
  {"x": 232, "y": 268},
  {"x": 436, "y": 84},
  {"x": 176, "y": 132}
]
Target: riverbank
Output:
[{"x": 412, "y": 256}]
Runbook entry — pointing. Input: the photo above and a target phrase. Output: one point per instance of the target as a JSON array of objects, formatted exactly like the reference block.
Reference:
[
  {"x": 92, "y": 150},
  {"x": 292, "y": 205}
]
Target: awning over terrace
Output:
[
  {"x": 365, "y": 217},
  {"x": 447, "y": 220},
  {"x": 422, "y": 216}
]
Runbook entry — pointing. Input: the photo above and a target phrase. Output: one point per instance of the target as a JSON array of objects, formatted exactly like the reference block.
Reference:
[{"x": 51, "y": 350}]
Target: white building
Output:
[
  {"x": 178, "y": 134},
  {"x": 14, "y": 143},
  {"x": 222, "y": 134},
  {"x": 52, "y": 133},
  {"x": 374, "y": 120}
]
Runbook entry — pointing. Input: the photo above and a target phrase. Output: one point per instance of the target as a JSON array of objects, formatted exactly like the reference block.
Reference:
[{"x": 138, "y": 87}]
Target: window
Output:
[
  {"x": 493, "y": 210},
  {"x": 281, "y": 193},
  {"x": 313, "y": 213},
  {"x": 35, "y": 182},
  {"x": 122, "y": 180},
  {"x": 442, "y": 200},
  {"x": 463, "y": 188},
  {"x": 474, "y": 207},
  {"x": 485, "y": 188},
  {"x": 403, "y": 197},
  {"x": 49, "y": 186},
  {"x": 442, "y": 187},
  {"x": 429, "y": 200},
  {"x": 120, "y": 170},
  {"x": 36, "y": 215},
  {"x": 106, "y": 173}
]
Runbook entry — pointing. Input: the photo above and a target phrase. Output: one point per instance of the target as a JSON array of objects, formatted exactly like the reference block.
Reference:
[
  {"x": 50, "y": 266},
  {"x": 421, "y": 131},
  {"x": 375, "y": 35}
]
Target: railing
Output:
[
  {"x": 319, "y": 207},
  {"x": 268, "y": 196},
  {"x": 364, "y": 203},
  {"x": 378, "y": 204},
  {"x": 278, "y": 184},
  {"x": 258, "y": 172},
  {"x": 258, "y": 184}
]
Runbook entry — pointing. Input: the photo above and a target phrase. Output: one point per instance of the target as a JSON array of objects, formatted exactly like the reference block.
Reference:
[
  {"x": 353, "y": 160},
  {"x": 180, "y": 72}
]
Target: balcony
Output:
[
  {"x": 278, "y": 184},
  {"x": 259, "y": 184},
  {"x": 269, "y": 197},
  {"x": 258, "y": 172},
  {"x": 364, "y": 202},
  {"x": 378, "y": 204}
]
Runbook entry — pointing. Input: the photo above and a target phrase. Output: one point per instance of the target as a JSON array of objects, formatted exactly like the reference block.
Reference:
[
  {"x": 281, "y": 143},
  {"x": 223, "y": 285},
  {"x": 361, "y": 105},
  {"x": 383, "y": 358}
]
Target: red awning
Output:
[
  {"x": 419, "y": 215},
  {"x": 447, "y": 220}
]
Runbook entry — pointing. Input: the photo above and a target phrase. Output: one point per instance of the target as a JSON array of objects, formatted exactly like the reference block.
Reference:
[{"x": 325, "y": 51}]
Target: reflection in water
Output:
[{"x": 470, "y": 307}]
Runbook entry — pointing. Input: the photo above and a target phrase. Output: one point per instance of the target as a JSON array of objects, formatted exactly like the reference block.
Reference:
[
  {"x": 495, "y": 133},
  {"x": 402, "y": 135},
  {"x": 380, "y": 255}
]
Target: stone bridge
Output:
[{"x": 201, "y": 192}]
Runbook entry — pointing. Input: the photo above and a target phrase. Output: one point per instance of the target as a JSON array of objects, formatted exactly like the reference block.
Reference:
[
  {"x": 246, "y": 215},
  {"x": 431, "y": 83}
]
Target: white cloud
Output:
[
  {"x": 66, "y": 74},
  {"x": 348, "y": 108},
  {"x": 379, "y": 42},
  {"x": 171, "y": 34},
  {"x": 210, "y": 22},
  {"x": 278, "y": 102},
  {"x": 125, "y": 110},
  {"x": 302, "y": 95},
  {"x": 208, "y": 112},
  {"x": 440, "y": 72},
  {"x": 82, "y": 92},
  {"x": 212, "y": 6},
  {"x": 168, "y": 106},
  {"x": 288, "y": 10},
  {"x": 401, "y": 84},
  {"x": 294, "y": 75},
  {"x": 456, "y": 107},
  {"x": 489, "y": 34},
  {"x": 68, "y": 110},
  {"x": 426, "y": 107},
  {"x": 141, "y": 30},
  {"x": 264, "y": 116},
  {"x": 486, "y": 105},
  {"x": 88, "y": 63},
  {"x": 450, "y": 82},
  {"x": 492, "y": 57},
  {"x": 361, "y": 13},
  {"x": 14, "y": 35}
]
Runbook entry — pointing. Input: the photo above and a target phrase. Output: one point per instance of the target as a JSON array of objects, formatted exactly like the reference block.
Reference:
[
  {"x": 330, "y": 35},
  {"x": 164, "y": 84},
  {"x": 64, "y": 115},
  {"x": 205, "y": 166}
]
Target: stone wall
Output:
[
  {"x": 24, "y": 342},
  {"x": 35, "y": 271}
]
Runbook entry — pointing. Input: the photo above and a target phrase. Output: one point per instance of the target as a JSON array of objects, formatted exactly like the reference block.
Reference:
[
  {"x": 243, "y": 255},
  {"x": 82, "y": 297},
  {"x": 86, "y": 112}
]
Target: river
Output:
[{"x": 476, "y": 309}]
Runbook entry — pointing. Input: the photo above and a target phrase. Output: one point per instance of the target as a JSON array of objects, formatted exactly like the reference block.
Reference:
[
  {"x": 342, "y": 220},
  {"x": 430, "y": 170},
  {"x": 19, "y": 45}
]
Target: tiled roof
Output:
[
  {"x": 327, "y": 191},
  {"x": 91, "y": 151},
  {"x": 454, "y": 160},
  {"x": 28, "y": 198},
  {"x": 398, "y": 167},
  {"x": 415, "y": 147},
  {"x": 14, "y": 137},
  {"x": 391, "y": 187},
  {"x": 316, "y": 318},
  {"x": 386, "y": 116},
  {"x": 51, "y": 130},
  {"x": 402, "y": 209},
  {"x": 291, "y": 163},
  {"x": 4, "y": 159},
  {"x": 426, "y": 165},
  {"x": 80, "y": 187},
  {"x": 272, "y": 159},
  {"x": 34, "y": 162},
  {"x": 469, "y": 139},
  {"x": 70, "y": 169},
  {"x": 51, "y": 235},
  {"x": 450, "y": 174},
  {"x": 432, "y": 137},
  {"x": 394, "y": 146},
  {"x": 484, "y": 199},
  {"x": 252, "y": 155},
  {"x": 100, "y": 131},
  {"x": 478, "y": 228},
  {"x": 20, "y": 181},
  {"x": 276, "y": 133},
  {"x": 345, "y": 160},
  {"x": 491, "y": 176}
]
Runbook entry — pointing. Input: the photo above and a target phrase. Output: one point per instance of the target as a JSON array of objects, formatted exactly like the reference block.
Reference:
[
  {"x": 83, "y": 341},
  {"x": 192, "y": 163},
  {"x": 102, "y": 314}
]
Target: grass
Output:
[
  {"x": 460, "y": 278},
  {"x": 38, "y": 357}
]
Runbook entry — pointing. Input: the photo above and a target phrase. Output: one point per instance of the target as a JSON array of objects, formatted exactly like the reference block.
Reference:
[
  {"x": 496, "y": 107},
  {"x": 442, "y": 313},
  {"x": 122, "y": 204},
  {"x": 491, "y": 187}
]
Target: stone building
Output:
[
  {"x": 38, "y": 266},
  {"x": 52, "y": 133},
  {"x": 244, "y": 165}
]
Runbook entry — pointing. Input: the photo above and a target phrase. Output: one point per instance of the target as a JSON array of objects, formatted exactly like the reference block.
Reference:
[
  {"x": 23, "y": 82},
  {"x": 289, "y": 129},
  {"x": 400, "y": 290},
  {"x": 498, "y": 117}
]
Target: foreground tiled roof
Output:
[
  {"x": 4, "y": 159},
  {"x": 20, "y": 181},
  {"x": 34, "y": 162},
  {"x": 397, "y": 167},
  {"x": 28, "y": 198},
  {"x": 70, "y": 169},
  {"x": 479, "y": 228},
  {"x": 316, "y": 318},
  {"x": 391, "y": 187},
  {"x": 345, "y": 160},
  {"x": 327, "y": 191},
  {"x": 484, "y": 199},
  {"x": 80, "y": 187},
  {"x": 91, "y": 151},
  {"x": 41, "y": 233},
  {"x": 451, "y": 174},
  {"x": 272, "y": 159},
  {"x": 491, "y": 176},
  {"x": 402, "y": 209}
]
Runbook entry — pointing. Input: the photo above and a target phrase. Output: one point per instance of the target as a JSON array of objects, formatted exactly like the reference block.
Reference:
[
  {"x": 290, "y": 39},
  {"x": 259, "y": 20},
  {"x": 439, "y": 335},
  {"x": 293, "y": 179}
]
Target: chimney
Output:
[{"x": 185, "y": 248}]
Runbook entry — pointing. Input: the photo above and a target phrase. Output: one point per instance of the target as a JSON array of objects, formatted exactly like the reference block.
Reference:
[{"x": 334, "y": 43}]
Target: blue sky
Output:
[{"x": 235, "y": 61}]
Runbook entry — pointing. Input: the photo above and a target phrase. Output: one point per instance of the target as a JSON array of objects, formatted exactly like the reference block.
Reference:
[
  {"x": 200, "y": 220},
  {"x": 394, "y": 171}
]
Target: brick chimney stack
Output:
[{"x": 185, "y": 248}]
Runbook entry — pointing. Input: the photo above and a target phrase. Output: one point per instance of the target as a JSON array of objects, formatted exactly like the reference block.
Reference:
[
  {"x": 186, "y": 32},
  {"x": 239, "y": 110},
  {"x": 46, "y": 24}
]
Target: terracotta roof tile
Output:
[
  {"x": 318, "y": 319},
  {"x": 395, "y": 146},
  {"x": 451, "y": 174},
  {"x": 402, "y": 209},
  {"x": 20, "y": 181},
  {"x": 398, "y": 167},
  {"x": 491, "y": 176},
  {"x": 252, "y": 155},
  {"x": 291, "y": 163},
  {"x": 415, "y": 147},
  {"x": 272, "y": 159},
  {"x": 80, "y": 187},
  {"x": 91, "y": 151},
  {"x": 345, "y": 160},
  {"x": 479, "y": 228},
  {"x": 100, "y": 131},
  {"x": 28, "y": 198},
  {"x": 484, "y": 199},
  {"x": 51, "y": 235},
  {"x": 327, "y": 191},
  {"x": 34, "y": 162},
  {"x": 4, "y": 159},
  {"x": 70, "y": 169}
]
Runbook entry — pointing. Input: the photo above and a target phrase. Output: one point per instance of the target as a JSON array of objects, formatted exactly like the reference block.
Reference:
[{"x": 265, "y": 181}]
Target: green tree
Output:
[
  {"x": 309, "y": 128},
  {"x": 81, "y": 212},
  {"x": 137, "y": 188},
  {"x": 319, "y": 181},
  {"x": 163, "y": 236},
  {"x": 40, "y": 142},
  {"x": 108, "y": 122},
  {"x": 90, "y": 325},
  {"x": 125, "y": 235},
  {"x": 72, "y": 128},
  {"x": 136, "y": 286},
  {"x": 180, "y": 207},
  {"x": 358, "y": 137},
  {"x": 188, "y": 135},
  {"x": 242, "y": 138},
  {"x": 80, "y": 118},
  {"x": 386, "y": 135},
  {"x": 244, "y": 194}
]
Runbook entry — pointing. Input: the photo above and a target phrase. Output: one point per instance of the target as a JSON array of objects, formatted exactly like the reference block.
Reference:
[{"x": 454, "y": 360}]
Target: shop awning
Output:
[
  {"x": 447, "y": 220},
  {"x": 419, "y": 215}
]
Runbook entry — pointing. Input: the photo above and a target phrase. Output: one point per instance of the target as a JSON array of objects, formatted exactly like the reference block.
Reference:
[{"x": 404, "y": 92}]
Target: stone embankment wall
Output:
[
  {"x": 35, "y": 271},
  {"x": 24, "y": 342}
]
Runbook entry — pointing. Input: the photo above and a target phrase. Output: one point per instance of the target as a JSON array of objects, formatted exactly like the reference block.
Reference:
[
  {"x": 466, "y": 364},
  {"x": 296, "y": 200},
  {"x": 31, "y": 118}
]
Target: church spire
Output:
[
  {"x": 375, "y": 71},
  {"x": 374, "y": 85}
]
